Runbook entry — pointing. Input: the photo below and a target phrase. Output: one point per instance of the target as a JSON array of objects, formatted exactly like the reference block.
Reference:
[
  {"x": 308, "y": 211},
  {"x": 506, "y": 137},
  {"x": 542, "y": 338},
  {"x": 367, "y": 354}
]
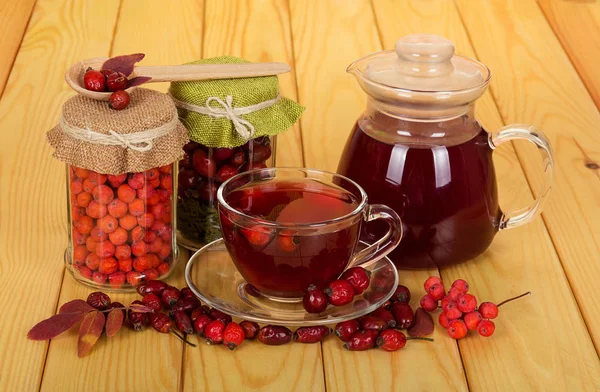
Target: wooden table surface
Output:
[{"x": 544, "y": 58}]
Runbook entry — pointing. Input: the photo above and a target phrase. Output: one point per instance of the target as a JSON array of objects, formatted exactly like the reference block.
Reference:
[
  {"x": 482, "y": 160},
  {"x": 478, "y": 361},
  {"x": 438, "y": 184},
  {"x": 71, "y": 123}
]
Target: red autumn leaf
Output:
[
  {"x": 422, "y": 324},
  {"x": 140, "y": 308},
  {"x": 114, "y": 321},
  {"x": 138, "y": 80},
  {"x": 89, "y": 332},
  {"x": 123, "y": 64},
  {"x": 54, "y": 326},
  {"x": 77, "y": 305}
]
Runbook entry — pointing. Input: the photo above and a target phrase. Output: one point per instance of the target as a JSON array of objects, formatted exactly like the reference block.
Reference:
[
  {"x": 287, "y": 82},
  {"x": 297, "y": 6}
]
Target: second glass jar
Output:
[{"x": 201, "y": 172}]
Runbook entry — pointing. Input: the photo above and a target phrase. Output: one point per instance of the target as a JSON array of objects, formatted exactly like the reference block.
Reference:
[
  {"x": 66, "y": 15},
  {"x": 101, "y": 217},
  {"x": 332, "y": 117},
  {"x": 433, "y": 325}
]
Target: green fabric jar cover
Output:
[{"x": 229, "y": 112}]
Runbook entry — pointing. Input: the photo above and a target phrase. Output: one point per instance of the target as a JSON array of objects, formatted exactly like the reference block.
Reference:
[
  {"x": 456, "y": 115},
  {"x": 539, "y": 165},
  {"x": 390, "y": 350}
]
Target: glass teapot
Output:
[{"x": 419, "y": 149}]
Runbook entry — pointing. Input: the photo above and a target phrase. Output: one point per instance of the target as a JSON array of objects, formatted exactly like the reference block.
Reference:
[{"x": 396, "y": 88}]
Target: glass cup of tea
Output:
[{"x": 288, "y": 228}]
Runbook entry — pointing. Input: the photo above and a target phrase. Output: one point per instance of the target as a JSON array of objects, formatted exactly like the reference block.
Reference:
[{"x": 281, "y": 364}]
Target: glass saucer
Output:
[{"x": 212, "y": 276}]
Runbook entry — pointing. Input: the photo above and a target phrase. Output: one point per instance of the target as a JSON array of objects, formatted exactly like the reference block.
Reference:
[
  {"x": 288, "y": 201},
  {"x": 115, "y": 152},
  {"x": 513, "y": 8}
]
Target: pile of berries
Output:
[
  {"x": 98, "y": 315},
  {"x": 189, "y": 316},
  {"x": 114, "y": 77},
  {"x": 380, "y": 327},
  {"x": 107, "y": 80},
  {"x": 201, "y": 171},
  {"x": 169, "y": 310},
  {"x": 460, "y": 313},
  {"x": 354, "y": 281},
  {"x": 121, "y": 225}
]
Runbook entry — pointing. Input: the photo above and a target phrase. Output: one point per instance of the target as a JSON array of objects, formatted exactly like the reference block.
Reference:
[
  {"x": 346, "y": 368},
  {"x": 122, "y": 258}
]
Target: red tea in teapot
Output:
[
  {"x": 418, "y": 149},
  {"x": 283, "y": 262},
  {"x": 446, "y": 196}
]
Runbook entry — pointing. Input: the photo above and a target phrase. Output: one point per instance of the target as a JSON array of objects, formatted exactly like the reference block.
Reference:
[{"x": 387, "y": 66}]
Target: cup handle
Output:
[
  {"x": 534, "y": 135},
  {"x": 385, "y": 244}
]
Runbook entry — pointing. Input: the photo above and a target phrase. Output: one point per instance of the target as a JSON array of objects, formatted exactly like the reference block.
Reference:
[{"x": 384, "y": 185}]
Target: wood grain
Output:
[
  {"x": 327, "y": 37},
  {"x": 577, "y": 26},
  {"x": 32, "y": 184},
  {"x": 130, "y": 361},
  {"x": 255, "y": 31},
  {"x": 519, "y": 260},
  {"x": 541, "y": 342},
  {"x": 14, "y": 16},
  {"x": 133, "y": 360},
  {"x": 535, "y": 83},
  {"x": 420, "y": 366}
]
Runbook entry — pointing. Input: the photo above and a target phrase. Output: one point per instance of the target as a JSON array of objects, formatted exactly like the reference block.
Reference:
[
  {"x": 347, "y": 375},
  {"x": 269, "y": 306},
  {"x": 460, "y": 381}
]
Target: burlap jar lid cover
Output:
[
  {"x": 229, "y": 112},
  {"x": 145, "y": 135}
]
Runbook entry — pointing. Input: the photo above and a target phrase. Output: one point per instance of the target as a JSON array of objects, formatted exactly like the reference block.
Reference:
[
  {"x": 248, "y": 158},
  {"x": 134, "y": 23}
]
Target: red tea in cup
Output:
[
  {"x": 285, "y": 230},
  {"x": 283, "y": 262}
]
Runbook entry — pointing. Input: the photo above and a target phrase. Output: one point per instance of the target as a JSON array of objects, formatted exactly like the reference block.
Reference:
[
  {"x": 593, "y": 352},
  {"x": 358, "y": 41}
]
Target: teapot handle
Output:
[{"x": 534, "y": 135}]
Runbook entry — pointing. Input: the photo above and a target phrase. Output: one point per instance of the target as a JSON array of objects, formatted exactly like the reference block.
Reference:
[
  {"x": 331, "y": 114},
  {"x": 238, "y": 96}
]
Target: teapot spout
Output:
[{"x": 356, "y": 68}]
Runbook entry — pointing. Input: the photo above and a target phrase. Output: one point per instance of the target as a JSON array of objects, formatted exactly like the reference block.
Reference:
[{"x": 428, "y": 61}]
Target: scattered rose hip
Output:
[
  {"x": 169, "y": 310},
  {"x": 274, "y": 335},
  {"x": 233, "y": 335},
  {"x": 98, "y": 300},
  {"x": 94, "y": 80},
  {"x": 460, "y": 313},
  {"x": 354, "y": 281},
  {"x": 250, "y": 329},
  {"x": 402, "y": 294},
  {"x": 315, "y": 300},
  {"x": 214, "y": 332},
  {"x": 403, "y": 314},
  {"x": 392, "y": 340},
  {"x": 119, "y": 100},
  {"x": 346, "y": 329},
  {"x": 114, "y": 77},
  {"x": 379, "y": 328},
  {"x": 201, "y": 171},
  {"x": 311, "y": 334},
  {"x": 362, "y": 340},
  {"x": 358, "y": 278}
]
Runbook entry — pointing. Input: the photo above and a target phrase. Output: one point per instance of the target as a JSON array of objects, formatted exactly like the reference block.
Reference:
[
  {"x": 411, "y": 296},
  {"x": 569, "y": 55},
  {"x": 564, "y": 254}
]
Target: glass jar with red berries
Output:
[
  {"x": 121, "y": 184},
  {"x": 232, "y": 125}
]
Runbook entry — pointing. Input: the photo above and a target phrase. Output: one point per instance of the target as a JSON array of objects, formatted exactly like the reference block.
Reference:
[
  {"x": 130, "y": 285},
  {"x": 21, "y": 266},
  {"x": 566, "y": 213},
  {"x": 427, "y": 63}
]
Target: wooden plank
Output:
[
  {"x": 257, "y": 31},
  {"x": 535, "y": 83},
  {"x": 576, "y": 23},
  {"x": 565, "y": 112},
  {"x": 130, "y": 361},
  {"x": 420, "y": 366},
  {"x": 14, "y": 16},
  {"x": 327, "y": 37},
  {"x": 167, "y": 33},
  {"x": 32, "y": 184}
]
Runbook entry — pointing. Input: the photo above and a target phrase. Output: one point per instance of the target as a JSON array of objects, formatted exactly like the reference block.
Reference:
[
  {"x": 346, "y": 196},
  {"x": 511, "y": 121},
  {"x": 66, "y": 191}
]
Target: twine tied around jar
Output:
[
  {"x": 139, "y": 141},
  {"x": 243, "y": 127},
  {"x": 91, "y": 135}
]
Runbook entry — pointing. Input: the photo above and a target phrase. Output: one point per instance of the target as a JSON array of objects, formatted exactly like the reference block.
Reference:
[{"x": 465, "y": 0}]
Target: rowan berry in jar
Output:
[
  {"x": 232, "y": 126},
  {"x": 122, "y": 221}
]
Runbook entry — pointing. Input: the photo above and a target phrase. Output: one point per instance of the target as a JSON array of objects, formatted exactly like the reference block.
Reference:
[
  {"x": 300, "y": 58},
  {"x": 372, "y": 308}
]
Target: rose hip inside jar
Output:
[{"x": 201, "y": 171}]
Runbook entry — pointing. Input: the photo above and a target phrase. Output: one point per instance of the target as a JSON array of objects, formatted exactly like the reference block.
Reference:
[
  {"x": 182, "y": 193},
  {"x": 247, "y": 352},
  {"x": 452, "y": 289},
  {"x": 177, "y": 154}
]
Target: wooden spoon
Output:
[{"x": 172, "y": 73}]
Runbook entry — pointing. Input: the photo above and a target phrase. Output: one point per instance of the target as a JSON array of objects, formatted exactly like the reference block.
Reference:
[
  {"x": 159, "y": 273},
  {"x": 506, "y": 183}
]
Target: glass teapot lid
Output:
[{"x": 422, "y": 77}]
